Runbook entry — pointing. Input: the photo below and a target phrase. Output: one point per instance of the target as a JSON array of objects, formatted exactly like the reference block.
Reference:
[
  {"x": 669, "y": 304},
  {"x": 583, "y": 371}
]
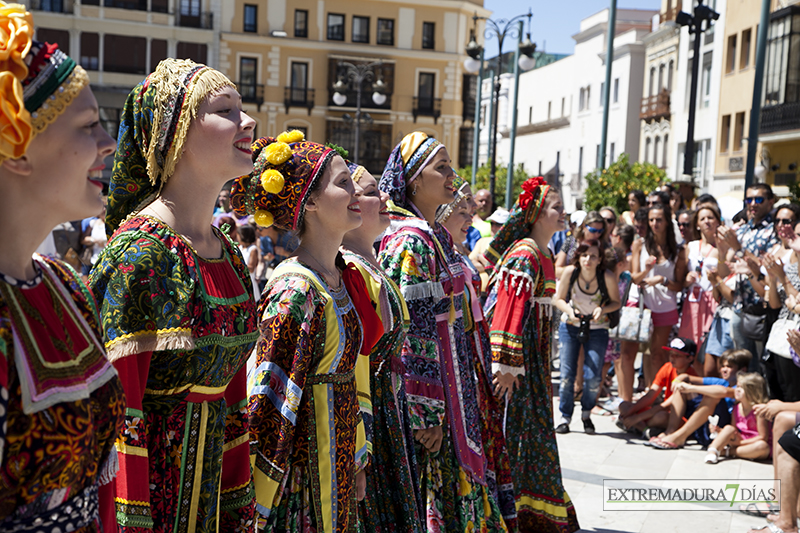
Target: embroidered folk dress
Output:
[
  {"x": 440, "y": 376},
  {"x": 520, "y": 312},
  {"x": 498, "y": 470},
  {"x": 392, "y": 497},
  {"x": 309, "y": 437},
  {"x": 61, "y": 403},
  {"x": 179, "y": 329}
]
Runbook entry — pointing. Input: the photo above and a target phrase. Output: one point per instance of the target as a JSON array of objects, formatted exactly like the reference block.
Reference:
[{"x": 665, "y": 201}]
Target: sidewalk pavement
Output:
[{"x": 610, "y": 454}]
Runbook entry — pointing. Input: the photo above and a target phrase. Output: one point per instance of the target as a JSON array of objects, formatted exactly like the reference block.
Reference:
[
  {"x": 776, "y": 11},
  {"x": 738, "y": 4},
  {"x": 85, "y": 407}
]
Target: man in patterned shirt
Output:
[{"x": 758, "y": 237}]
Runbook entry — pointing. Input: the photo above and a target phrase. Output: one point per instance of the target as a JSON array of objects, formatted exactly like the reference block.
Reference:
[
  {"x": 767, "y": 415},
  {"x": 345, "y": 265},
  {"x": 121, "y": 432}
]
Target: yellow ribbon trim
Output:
[
  {"x": 235, "y": 442},
  {"x": 130, "y": 450},
  {"x": 559, "y": 511}
]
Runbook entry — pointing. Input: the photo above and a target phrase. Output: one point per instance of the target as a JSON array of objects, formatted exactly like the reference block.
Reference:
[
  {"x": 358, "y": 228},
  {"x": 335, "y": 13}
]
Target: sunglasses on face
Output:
[
  {"x": 594, "y": 230},
  {"x": 784, "y": 221},
  {"x": 757, "y": 199},
  {"x": 610, "y": 220},
  {"x": 684, "y": 224}
]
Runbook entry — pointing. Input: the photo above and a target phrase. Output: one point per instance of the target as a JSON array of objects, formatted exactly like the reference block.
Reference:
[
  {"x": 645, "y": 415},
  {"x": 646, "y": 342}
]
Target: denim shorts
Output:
[{"x": 719, "y": 337}]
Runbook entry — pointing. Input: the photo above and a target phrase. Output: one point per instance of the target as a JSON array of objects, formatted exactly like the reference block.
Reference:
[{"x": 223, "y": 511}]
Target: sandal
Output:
[
  {"x": 752, "y": 509},
  {"x": 772, "y": 528},
  {"x": 665, "y": 445}
]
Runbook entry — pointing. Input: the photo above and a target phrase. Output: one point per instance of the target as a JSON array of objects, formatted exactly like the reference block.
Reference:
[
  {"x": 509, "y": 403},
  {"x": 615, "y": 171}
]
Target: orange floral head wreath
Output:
[{"x": 37, "y": 82}]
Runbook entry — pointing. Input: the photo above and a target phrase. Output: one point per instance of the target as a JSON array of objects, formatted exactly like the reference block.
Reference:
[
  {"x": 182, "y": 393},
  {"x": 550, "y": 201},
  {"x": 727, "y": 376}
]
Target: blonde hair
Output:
[{"x": 754, "y": 387}]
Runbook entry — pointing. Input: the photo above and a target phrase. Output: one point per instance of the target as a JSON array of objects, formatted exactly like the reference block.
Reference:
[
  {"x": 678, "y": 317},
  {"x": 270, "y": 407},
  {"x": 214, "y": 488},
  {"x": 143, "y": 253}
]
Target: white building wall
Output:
[{"x": 541, "y": 140}]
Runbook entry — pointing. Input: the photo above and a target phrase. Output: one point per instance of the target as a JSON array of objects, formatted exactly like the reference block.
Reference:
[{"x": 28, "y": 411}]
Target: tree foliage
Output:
[
  {"x": 501, "y": 174},
  {"x": 611, "y": 186}
]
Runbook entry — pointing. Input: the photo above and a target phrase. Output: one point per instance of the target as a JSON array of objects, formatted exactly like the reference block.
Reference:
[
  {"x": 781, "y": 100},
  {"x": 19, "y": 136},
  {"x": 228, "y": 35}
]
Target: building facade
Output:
[
  {"x": 660, "y": 73},
  {"x": 286, "y": 59},
  {"x": 119, "y": 41},
  {"x": 560, "y": 106},
  {"x": 779, "y": 129},
  {"x": 736, "y": 95}
]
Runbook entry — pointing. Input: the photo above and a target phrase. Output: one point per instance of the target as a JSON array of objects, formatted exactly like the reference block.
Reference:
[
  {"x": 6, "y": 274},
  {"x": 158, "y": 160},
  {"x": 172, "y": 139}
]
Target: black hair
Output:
[
  {"x": 641, "y": 214},
  {"x": 706, "y": 198},
  {"x": 671, "y": 251},
  {"x": 626, "y": 235},
  {"x": 247, "y": 234},
  {"x": 585, "y": 245},
  {"x": 614, "y": 256},
  {"x": 639, "y": 195},
  {"x": 741, "y": 216},
  {"x": 794, "y": 208},
  {"x": 663, "y": 197},
  {"x": 766, "y": 189},
  {"x": 693, "y": 236}
]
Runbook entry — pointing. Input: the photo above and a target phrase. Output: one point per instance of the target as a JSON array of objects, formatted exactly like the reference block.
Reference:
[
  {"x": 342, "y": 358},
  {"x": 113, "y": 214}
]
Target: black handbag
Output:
[{"x": 754, "y": 322}]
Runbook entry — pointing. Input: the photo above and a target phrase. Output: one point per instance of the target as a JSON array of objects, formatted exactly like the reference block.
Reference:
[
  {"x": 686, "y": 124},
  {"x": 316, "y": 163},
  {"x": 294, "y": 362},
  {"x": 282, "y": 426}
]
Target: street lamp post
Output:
[
  {"x": 695, "y": 23},
  {"x": 500, "y": 29},
  {"x": 358, "y": 74}
]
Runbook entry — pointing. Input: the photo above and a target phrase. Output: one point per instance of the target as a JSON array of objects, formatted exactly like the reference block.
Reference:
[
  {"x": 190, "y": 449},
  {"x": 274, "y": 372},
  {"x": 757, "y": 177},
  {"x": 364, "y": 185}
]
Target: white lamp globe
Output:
[
  {"x": 473, "y": 66},
  {"x": 526, "y": 62},
  {"x": 378, "y": 98},
  {"x": 339, "y": 98}
]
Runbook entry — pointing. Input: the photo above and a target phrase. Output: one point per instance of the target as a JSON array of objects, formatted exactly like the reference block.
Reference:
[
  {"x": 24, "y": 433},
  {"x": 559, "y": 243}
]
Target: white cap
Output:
[
  {"x": 577, "y": 217},
  {"x": 500, "y": 216}
]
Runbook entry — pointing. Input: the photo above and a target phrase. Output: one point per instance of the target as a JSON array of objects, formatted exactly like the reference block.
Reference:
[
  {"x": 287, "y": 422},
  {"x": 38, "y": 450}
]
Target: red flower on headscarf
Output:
[{"x": 528, "y": 188}]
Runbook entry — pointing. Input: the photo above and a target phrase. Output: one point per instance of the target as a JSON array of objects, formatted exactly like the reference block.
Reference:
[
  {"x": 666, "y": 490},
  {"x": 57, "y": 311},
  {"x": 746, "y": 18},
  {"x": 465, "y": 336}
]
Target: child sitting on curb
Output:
[
  {"x": 749, "y": 436},
  {"x": 642, "y": 413},
  {"x": 697, "y": 398}
]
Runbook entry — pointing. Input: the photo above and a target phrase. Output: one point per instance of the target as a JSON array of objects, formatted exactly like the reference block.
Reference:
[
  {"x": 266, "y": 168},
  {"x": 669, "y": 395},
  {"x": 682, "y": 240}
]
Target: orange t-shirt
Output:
[{"x": 666, "y": 375}]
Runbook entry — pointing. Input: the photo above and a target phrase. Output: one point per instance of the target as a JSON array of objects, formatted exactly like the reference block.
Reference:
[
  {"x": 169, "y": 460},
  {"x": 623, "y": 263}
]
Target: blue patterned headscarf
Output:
[{"x": 405, "y": 163}]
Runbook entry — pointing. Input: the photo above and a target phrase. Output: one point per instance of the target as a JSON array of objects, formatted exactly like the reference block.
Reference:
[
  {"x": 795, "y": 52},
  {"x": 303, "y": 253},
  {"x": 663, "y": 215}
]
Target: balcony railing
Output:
[
  {"x": 138, "y": 5},
  {"x": 252, "y": 93},
  {"x": 204, "y": 20},
  {"x": 52, "y": 6},
  {"x": 427, "y": 107},
  {"x": 655, "y": 107},
  {"x": 782, "y": 117},
  {"x": 298, "y": 97}
]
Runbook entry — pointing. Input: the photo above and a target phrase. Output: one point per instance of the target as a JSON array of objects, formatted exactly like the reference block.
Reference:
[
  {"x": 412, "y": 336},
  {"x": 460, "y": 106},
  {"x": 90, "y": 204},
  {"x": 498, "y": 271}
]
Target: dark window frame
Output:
[
  {"x": 86, "y": 61},
  {"x": 379, "y": 34},
  {"x": 365, "y": 38},
  {"x": 301, "y": 32},
  {"x": 334, "y": 35},
  {"x": 252, "y": 25},
  {"x": 428, "y": 35}
]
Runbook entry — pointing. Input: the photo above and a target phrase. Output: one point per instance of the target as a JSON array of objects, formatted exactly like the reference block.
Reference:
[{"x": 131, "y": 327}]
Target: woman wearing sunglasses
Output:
[
  {"x": 787, "y": 215},
  {"x": 659, "y": 267},
  {"x": 593, "y": 228}
]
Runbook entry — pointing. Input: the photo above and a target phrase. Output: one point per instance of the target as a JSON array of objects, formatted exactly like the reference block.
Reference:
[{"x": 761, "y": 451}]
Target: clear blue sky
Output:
[{"x": 554, "y": 22}]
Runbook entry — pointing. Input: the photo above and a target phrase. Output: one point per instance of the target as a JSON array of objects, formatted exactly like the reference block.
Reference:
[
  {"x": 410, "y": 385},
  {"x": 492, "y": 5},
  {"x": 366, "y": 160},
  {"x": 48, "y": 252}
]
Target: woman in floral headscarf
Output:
[
  {"x": 61, "y": 402},
  {"x": 175, "y": 296},
  {"x": 417, "y": 253},
  {"x": 519, "y": 308},
  {"x": 310, "y": 446}
]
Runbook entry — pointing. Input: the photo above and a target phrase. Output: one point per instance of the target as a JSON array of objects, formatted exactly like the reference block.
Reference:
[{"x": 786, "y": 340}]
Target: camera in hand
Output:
[{"x": 583, "y": 331}]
